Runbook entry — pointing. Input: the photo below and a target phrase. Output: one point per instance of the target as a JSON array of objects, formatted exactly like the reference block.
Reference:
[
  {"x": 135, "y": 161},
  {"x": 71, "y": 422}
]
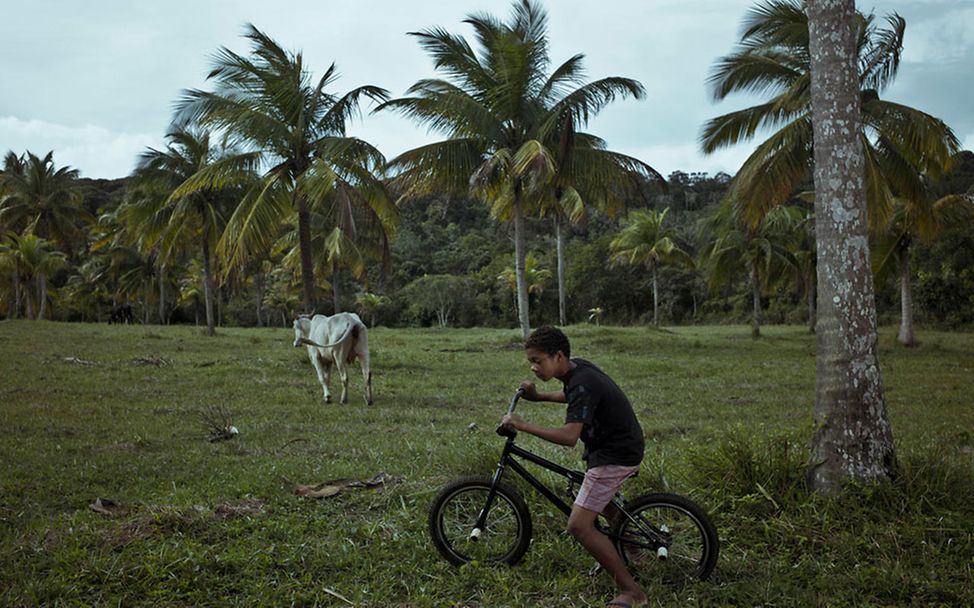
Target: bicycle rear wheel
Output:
[
  {"x": 667, "y": 539},
  {"x": 454, "y": 513}
]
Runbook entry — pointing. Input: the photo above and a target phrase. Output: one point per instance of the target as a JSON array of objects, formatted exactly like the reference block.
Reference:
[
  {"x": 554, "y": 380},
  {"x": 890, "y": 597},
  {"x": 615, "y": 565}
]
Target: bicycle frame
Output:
[{"x": 657, "y": 537}]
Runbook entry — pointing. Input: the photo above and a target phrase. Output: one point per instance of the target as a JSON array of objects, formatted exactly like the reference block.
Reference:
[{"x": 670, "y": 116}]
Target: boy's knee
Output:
[{"x": 579, "y": 528}]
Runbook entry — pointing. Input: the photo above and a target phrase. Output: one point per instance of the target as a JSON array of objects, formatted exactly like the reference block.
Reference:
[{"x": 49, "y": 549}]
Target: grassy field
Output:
[{"x": 113, "y": 412}]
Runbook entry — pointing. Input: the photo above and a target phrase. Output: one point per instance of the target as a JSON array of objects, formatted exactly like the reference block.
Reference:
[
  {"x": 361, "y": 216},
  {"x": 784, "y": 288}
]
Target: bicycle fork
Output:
[
  {"x": 482, "y": 518},
  {"x": 657, "y": 538}
]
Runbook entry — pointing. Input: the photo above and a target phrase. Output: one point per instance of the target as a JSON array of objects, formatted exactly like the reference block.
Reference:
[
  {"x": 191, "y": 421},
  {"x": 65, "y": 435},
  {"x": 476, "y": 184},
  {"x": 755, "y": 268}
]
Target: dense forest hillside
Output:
[{"x": 451, "y": 264}]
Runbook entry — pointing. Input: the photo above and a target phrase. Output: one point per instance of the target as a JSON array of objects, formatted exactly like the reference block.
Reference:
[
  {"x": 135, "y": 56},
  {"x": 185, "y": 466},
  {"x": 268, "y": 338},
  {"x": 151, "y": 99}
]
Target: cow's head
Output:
[{"x": 302, "y": 328}]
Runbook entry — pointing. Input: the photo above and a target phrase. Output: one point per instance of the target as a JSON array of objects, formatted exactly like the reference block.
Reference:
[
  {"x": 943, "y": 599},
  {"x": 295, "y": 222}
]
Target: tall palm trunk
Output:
[
  {"x": 16, "y": 281},
  {"x": 28, "y": 302},
  {"x": 41, "y": 295},
  {"x": 853, "y": 439},
  {"x": 307, "y": 266},
  {"x": 519, "y": 264},
  {"x": 336, "y": 296},
  {"x": 259, "y": 289},
  {"x": 13, "y": 303},
  {"x": 560, "y": 247},
  {"x": 208, "y": 286},
  {"x": 905, "y": 337},
  {"x": 162, "y": 294},
  {"x": 655, "y": 298},
  {"x": 755, "y": 300}
]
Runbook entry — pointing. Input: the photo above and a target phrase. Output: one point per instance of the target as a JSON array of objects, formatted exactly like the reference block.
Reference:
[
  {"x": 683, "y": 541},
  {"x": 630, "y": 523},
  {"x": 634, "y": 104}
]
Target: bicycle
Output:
[{"x": 480, "y": 518}]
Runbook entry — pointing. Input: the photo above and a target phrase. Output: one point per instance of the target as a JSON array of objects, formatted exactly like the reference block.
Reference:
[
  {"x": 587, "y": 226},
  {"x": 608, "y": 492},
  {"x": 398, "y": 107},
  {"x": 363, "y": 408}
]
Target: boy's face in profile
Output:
[{"x": 546, "y": 366}]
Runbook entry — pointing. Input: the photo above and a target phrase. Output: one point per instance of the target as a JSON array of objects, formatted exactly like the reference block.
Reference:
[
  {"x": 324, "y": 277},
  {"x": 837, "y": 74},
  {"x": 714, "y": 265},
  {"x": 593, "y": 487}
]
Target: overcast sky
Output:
[{"x": 95, "y": 81}]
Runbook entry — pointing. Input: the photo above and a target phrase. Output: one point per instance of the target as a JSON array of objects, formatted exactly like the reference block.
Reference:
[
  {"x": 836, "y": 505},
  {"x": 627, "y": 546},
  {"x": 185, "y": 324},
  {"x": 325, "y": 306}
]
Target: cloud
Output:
[
  {"x": 947, "y": 37},
  {"x": 95, "y": 151},
  {"x": 968, "y": 143}
]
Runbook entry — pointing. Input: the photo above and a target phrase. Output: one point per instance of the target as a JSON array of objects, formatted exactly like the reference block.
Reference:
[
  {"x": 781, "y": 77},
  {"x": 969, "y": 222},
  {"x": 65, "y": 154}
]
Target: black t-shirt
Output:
[{"x": 611, "y": 432}]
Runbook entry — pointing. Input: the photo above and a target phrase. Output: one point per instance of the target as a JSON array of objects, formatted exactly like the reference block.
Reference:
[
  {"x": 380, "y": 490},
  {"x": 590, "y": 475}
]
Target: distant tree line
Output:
[{"x": 261, "y": 207}]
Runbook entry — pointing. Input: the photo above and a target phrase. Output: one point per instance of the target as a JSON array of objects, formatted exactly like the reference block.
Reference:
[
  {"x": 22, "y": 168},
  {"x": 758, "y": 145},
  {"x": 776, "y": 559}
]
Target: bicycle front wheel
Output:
[
  {"x": 666, "y": 538},
  {"x": 453, "y": 517}
]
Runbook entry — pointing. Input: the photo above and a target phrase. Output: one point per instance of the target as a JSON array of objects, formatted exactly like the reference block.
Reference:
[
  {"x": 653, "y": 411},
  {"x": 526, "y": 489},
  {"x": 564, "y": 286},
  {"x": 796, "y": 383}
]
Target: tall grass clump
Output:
[
  {"x": 760, "y": 475},
  {"x": 875, "y": 545}
]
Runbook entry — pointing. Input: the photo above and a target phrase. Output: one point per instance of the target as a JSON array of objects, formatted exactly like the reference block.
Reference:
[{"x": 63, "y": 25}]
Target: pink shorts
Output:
[{"x": 601, "y": 484}]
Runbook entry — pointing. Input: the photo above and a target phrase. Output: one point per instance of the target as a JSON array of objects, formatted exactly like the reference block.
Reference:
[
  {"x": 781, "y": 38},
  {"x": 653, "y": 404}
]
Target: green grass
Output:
[{"x": 727, "y": 419}]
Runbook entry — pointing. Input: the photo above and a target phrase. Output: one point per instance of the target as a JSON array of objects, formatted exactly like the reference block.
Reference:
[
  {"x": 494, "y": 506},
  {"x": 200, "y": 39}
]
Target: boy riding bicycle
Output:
[{"x": 599, "y": 414}]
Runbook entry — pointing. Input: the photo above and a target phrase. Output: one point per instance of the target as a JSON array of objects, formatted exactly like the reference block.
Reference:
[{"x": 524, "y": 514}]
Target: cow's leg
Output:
[
  {"x": 323, "y": 367},
  {"x": 363, "y": 359},
  {"x": 342, "y": 366}
]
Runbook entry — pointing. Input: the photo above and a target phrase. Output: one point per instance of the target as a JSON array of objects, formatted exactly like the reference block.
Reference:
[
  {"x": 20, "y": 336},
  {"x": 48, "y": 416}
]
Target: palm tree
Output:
[
  {"x": 534, "y": 276},
  {"x": 915, "y": 219},
  {"x": 271, "y": 103},
  {"x": 900, "y": 143},
  {"x": 853, "y": 439},
  {"x": 8, "y": 267},
  {"x": 763, "y": 251},
  {"x": 344, "y": 237},
  {"x": 369, "y": 304},
  {"x": 37, "y": 259},
  {"x": 588, "y": 175},
  {"x": 644, "y": 241},
  {"x": 37, "y": 198},
  {"x": 501, "y": 111},
  {"x": 195, "y": 217}
]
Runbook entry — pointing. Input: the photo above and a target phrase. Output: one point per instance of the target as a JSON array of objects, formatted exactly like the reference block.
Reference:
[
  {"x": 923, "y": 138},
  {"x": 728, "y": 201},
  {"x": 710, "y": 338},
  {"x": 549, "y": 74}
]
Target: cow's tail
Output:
[{"x": 309, "y": 342}]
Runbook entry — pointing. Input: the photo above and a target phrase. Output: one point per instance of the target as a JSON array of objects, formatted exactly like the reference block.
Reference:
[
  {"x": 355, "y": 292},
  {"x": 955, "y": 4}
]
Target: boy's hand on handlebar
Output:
[
  {"x": 530, "y": 391},
  {"x": 512, "y": 421}
]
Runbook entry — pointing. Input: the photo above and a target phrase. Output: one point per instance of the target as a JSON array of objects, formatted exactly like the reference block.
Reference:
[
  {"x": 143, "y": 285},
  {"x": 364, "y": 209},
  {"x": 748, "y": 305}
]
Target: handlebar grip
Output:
[{"x": 503, "y": 431}]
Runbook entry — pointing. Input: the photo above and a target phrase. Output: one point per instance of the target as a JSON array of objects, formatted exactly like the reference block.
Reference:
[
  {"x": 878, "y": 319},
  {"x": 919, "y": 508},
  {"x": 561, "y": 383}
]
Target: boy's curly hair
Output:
[{"x": 549, "y": 340}]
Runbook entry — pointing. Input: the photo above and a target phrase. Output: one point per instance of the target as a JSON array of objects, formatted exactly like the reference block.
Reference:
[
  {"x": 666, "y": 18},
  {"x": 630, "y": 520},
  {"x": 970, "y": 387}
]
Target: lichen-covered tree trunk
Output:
[
  {"x": 853, "y": 439},
  {"x": 905, "y": 337}
]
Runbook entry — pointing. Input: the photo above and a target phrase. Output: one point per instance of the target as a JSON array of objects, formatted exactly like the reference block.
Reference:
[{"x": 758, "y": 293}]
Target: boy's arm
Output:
[
  {"x": 566, "y": 435},
  {"x": 531, "y": 394}
]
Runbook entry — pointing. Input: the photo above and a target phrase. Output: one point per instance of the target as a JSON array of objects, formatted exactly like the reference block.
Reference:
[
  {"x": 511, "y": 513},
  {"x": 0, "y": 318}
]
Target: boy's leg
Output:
[
  {"x": 581, "y": 525},
  {"x": 594, "y": 495}
]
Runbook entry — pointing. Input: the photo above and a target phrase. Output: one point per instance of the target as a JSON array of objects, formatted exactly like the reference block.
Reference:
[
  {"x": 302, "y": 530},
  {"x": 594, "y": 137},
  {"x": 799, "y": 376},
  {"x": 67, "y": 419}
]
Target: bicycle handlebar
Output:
[{"x": 502, "y": 430}]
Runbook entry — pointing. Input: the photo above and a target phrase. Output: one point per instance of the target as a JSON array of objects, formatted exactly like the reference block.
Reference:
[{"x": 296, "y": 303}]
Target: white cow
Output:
[{"x": 338, "y": 339}]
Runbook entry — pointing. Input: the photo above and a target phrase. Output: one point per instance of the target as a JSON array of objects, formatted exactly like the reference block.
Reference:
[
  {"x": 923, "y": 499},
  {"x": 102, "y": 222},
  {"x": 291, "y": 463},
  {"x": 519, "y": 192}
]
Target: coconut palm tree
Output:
[
  {"x": 171, "y": 219},
  {"x": 37, "y": 258},
  {"x": 501, "y": 112},
  {"x": 369, "y": 304},
  {"x": 762, "y": 252},
  {"x": 297, "y": 130},
  {"x": 644, "y": 241},
  {"x": 900, "y": 143},
  {"x": 38, "y": 198},
  {"x": 914, "y": 220},
  {"x": 345, "y": 236},
  {"x": 853, "y": 440},
  {"x": 534, "y": 275}
]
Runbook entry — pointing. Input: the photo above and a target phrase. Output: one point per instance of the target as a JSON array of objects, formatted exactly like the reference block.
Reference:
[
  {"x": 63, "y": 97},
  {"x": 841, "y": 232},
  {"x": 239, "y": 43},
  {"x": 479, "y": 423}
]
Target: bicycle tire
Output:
[
  {"x": 691, "y": 545},
  {"x": 453, "y": 515}
]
